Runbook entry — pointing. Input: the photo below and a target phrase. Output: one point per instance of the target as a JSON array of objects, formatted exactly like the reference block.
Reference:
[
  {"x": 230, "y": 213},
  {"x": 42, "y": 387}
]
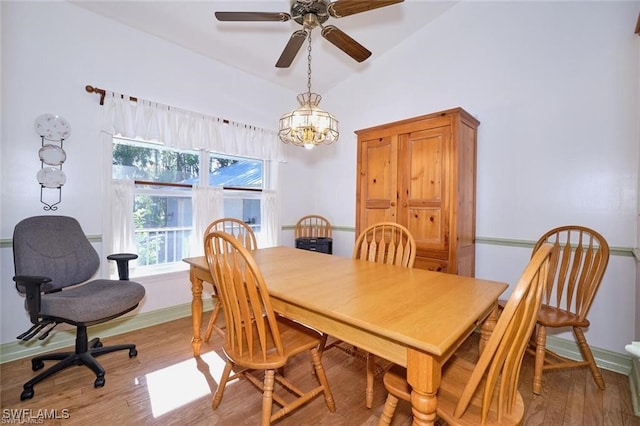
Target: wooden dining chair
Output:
[
  {"x": 485, "y": 393},
  {"x": 245, "y": 235},
  {"x": 577, "y": 268},
  {"x": 313, "y": 226},
  {"x": 256, "y": 338},
  {"x": 384, "y": 242}
]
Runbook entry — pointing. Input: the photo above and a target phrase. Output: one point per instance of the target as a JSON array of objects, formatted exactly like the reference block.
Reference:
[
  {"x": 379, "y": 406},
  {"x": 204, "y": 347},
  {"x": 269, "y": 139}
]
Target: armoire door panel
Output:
[
  {"x": 429, "y": 264},
  {"x": 380, "y": 172},
  {"x": 427, "y": 227},
  {"x": 425, "y": 151}
]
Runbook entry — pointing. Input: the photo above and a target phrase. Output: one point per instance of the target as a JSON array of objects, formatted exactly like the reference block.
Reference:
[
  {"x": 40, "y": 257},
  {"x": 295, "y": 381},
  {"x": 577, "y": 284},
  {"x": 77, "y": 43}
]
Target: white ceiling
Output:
[{"x": 254, "y": 47}]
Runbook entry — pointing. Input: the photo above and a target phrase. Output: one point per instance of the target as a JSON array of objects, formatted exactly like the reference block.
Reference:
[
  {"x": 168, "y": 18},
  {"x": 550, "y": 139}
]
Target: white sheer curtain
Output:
[
  {"x": 269, "y": 234},
  {"x": 208, "y": 205},
  {"x": 122, "y": 229},
  {"x": 183, "y": 129}
]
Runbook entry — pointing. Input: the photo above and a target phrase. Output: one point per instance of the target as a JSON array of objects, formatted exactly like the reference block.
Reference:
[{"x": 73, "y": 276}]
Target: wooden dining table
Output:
[{"x": 412, "y": 317}]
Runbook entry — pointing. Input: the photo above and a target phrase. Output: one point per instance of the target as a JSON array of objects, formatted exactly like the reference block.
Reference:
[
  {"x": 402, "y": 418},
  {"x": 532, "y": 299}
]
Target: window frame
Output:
[{"x": 229, "y": 192}]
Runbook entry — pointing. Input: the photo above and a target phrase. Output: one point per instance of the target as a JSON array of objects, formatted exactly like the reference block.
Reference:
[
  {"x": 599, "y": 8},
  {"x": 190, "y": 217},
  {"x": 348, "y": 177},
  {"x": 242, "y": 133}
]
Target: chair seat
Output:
[
  {"x": 100, "y": 299},
  {"x": 550, "y": 316},
  {"x": 296, "y": 338},
  {"x": 455, "y": 375}
]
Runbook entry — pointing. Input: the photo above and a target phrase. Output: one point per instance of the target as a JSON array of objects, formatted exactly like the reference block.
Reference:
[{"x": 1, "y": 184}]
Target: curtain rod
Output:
[{"x": 103, "y": 92}]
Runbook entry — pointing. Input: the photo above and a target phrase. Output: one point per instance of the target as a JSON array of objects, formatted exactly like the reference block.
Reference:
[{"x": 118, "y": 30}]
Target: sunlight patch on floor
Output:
[{"x": 184, "y": 382}]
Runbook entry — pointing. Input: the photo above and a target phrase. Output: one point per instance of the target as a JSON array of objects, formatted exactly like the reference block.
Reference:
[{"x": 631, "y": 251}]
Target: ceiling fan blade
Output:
[
  {"x": 252, "y": 16},
  {"x": 341, "y": 8},
  {"x": 345, "y": 43},
  {"x": 291, "y": 49}
]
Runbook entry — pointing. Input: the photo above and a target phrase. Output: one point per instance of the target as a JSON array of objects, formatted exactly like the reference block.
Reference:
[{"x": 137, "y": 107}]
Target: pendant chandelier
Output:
[{"x": 308, "y": 125}]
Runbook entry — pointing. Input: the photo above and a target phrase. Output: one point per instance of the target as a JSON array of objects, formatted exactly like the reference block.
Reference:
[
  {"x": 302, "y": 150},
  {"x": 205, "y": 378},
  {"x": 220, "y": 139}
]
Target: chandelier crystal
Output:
[{"x": 308, "y": 125}]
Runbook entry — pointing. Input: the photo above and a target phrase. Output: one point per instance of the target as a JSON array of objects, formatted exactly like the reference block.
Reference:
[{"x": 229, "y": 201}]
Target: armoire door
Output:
[
  {"x": 378, "y": 168},
  {"x": 424, "y": 168}
]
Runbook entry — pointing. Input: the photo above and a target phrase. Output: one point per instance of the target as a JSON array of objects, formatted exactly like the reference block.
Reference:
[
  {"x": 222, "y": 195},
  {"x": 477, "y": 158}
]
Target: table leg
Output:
[
  {"x": 196, "y": 311},
  {"x": 487, "y": 327},
  {"x": 423, "y": 374}
]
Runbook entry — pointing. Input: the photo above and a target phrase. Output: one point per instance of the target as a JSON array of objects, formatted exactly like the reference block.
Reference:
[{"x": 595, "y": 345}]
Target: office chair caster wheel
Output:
[
  {"x": 99, "y": 382},
  {"x": 36, "y": 364},
  {"x": 133, "y": 352},
  {"x": 98, "y": 344},
  {"x": 26, "y": 394}
]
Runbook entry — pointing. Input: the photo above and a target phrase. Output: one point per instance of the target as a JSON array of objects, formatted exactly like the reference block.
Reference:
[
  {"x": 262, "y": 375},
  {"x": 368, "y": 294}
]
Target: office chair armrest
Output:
[
  {"x": 122, "y": 260},
  {"x": 31, "y": 286}
]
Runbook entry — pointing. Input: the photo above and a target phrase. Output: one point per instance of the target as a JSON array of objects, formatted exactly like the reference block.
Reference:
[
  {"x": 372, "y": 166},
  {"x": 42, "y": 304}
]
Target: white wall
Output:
[
  {"x": 555, "y": 87},
  {"x": 50, "y": 51}
]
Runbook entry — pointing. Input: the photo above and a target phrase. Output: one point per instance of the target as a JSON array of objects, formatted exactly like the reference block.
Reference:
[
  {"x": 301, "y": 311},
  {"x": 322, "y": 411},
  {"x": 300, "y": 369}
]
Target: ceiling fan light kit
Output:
[{"x": 308, "y": 125}]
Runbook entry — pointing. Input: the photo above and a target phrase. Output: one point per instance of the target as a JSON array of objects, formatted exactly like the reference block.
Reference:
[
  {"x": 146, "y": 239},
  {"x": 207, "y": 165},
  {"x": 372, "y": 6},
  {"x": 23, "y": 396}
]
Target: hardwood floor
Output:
[{"x": 166, "y": 385}]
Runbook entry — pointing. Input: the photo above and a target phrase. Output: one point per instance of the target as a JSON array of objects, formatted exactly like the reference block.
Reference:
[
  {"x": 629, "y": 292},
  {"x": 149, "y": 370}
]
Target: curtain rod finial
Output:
[{"x": 92, "y": 89}]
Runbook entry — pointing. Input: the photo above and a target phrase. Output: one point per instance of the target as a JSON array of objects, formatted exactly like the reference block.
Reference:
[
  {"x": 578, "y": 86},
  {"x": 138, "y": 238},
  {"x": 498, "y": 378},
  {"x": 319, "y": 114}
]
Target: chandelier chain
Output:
[{"x": 309, "y": 65}]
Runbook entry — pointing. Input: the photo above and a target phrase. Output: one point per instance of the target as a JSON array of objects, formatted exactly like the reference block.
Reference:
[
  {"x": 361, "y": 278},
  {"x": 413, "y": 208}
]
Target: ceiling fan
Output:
[{"x": 311, "y": 14}]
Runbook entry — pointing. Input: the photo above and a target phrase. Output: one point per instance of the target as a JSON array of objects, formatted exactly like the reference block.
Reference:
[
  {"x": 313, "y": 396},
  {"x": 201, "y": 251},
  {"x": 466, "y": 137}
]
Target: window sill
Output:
[{"x": 142, "y": 272}]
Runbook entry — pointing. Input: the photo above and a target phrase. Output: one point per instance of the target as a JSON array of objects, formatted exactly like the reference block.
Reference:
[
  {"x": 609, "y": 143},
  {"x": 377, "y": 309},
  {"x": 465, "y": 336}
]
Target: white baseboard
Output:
[{"x": 608, "y": 360}]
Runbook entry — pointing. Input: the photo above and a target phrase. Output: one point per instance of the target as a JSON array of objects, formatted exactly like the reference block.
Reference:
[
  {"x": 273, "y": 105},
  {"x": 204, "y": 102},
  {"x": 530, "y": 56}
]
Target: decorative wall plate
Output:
[
  {"x": 51, "y": 177},
  {"x": 52, "y": 127},
  {"x": 52, "y": 155}
]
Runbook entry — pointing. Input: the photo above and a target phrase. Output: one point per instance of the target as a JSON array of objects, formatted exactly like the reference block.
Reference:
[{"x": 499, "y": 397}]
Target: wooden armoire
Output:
[{"x": 421, "y": 173}]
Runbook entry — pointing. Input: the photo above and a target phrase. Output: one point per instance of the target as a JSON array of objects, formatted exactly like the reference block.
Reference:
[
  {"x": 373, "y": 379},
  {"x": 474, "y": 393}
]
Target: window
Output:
[
  {"x": 242, "y": 179},
  {"x": 163, "y": 204}
]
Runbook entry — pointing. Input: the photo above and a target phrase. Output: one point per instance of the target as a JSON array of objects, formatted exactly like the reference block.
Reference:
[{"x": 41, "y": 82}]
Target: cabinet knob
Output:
[{"x": 393, "y": 204}]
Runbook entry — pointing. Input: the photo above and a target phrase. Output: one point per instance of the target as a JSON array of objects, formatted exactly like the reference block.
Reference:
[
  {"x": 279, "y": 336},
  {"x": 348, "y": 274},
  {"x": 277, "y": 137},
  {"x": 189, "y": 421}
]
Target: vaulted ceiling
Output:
[{"x": 254, "y": 47}]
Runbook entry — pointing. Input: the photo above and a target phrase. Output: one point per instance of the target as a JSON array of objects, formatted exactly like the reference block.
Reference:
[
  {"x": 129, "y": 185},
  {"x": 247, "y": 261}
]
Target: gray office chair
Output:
[{"x": 51, "y": 254}]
